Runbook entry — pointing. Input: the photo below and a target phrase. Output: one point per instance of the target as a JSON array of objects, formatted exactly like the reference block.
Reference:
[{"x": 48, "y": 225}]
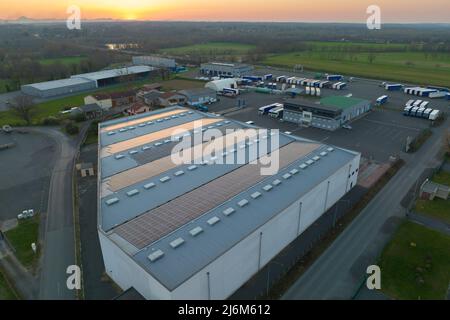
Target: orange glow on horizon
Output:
[{"x": 232, "y": 10}]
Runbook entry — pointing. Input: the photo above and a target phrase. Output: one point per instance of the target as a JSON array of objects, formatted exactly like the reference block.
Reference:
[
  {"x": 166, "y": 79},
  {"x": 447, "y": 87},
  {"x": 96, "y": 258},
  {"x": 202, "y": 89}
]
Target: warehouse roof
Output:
[
  {"x": 173, "y": 219},
  {"x": 112, "y": 73},
  {"x": 54, "y": 84},
  {"x": 342, "y": 102}
]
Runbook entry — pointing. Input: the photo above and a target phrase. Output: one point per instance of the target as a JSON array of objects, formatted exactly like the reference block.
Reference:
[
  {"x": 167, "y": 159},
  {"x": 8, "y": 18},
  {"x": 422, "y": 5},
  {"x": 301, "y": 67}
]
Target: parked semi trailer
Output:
[
  {"x": 393, "y": 87},
  {"x": 382, "y": 100},
  {"x": 334, "y": 77},
  {"x": 276, "y": 112},
  {"x": 266, "y": 109}
]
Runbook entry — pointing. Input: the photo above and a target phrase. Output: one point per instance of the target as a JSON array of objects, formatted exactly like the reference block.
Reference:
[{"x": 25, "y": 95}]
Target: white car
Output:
[
  {"x": 249, "y": 122},
  {"x": 346, "y": 126},
  {"x": 25, "y": 214}
]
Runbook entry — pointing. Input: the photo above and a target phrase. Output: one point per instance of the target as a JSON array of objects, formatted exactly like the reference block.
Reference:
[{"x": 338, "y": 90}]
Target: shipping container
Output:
[
  {"x": 426, "y": 113},
  {"x": 417, "y": 103},
  {"x": 393, "y": 87},
  {"x": 407, "y": 110},
  {"x": 424, "y": 104},
  {"x": 410, "y": 102},
  {"x": 434, "y": 114}
]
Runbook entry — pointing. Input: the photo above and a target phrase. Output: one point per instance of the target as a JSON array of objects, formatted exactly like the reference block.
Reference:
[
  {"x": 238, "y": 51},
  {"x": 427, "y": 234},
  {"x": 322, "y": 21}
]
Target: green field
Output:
[
  {"x": 436, "y": 208},
  {"x": 6, "y": 293},
  {"x": 3, "y": 83},
  {"x": 211, "y": 48},
  {"x": 63, "y": 60},
  {"x": 21, "y": 239},
  {"x": 416, "y": 263},
  {"x": 354, "y": 59}
]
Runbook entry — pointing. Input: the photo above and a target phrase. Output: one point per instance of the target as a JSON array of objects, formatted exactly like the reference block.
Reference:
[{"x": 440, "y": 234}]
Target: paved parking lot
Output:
[
  {"x": 377, "y": 135},
  {"x": 25, "y": 173}
]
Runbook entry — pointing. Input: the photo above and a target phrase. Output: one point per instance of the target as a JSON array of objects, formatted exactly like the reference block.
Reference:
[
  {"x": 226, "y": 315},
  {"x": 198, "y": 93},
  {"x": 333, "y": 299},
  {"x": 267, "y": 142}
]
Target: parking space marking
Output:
[{"x": 391, "y": 124}]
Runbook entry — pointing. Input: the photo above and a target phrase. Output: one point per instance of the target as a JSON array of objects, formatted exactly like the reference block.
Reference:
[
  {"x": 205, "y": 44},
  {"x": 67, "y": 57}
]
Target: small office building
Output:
[{"x": 329, "y": 114}]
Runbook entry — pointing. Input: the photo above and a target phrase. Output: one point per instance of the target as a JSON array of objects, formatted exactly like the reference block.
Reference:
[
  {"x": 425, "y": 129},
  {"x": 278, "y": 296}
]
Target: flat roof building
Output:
[
  {"x": 201, "y": 228},
  {"x": 85, "y": 81},
  {"x": 155, "y": 61},
  {"x": 329, "y": 114},
  {"x": 225, "y": 69}
]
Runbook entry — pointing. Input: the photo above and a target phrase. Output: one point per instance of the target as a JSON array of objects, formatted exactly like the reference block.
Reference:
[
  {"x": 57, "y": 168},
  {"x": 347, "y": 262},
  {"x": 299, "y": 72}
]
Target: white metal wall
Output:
[{"x": 230, "y": 271}]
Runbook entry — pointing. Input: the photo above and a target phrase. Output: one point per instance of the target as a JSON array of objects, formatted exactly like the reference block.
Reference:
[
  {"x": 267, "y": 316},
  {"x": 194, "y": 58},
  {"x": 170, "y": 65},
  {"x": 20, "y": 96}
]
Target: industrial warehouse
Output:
[
  {"x": 86, "y": 81},
  {"x": 225, "y": 69},
  {"x": 201, "y": 230},
  {"x": 329, "y": 114}
]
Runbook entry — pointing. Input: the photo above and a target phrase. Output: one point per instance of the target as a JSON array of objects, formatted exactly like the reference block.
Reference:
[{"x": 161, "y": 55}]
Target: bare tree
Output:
[{"x": 23, "y": 107}]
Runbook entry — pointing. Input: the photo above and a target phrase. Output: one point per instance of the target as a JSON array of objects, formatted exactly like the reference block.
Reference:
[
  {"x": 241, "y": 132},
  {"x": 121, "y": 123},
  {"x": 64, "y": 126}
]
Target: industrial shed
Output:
[
  {"x": 219, "y": 85},
  {"x": 198, "y": 96},
  {"x": 155, "y": 61},
  {"x": 58, "y": 87},
  {"x": 225, "y": 69},
  {"x": 329, "y": 114},
  {"x": 86, "y": 81},
  {"x": 112, "y": 76},
  {"x": 200, "y": 230}
]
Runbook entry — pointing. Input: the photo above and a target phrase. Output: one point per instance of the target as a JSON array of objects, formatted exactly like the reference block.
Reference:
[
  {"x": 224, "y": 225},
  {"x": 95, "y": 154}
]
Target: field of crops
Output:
[{"x": 371, "y": 61}]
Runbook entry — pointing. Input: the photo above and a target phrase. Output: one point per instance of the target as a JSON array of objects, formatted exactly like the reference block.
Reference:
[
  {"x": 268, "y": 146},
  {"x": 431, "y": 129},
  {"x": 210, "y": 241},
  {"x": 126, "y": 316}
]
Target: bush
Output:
[
  {"x": 78, "y": 117},
  {"x": 71, "y": 128},
  {"x": 51, "y": 121}
]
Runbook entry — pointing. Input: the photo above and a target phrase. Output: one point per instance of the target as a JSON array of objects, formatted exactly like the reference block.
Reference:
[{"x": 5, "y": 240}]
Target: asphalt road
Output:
[
  {"x": 339, "y": 271},
  {"x": 59, "y": 239}
]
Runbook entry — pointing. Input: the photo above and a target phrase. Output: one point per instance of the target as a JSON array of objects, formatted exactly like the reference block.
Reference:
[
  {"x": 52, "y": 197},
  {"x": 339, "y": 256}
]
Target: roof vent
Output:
[
  {"x": 287, "y": 176},
  {"x": 243, "y": 203},
  {"x": 193, "y": 167},
  {"x": 111, "y": 133},
  {"x": 190, "y": 112},
  {"x": 178, "y": 173},
  {"x": 132, "y": 192},
  {"x": 158, "y": 144},
  {"x": 293, "y": 171},
  {"x": 197, "y": 230},
  {"x": 213, "y": 220},
  {"x": 173, "y": 117},
  {"x": 133, "y": 152},
  {"x": 316, "y": 158},
  {"x": 255, "y": 195},
  {"x": 122, "y": 130},
  {"x": 146, "y": 148},
  {"x": 150, "y": 122},
  {"x": 155, "y": 255},
  {"x": 303, "y": 166},
  {"x": 267, "y": 187},
  {"x": 164, "y": 179},
  {"x": 309, "y": 162},
  {"x": 119, "y": 156},
  {"x": 160, "y": 120},
  {"x": 226, "y": 121},
  {"x": 228, "y": 211},
  {"x": 323, "y": 153},
  {"x": 177, "y": 242},
  {"x": 112, "y": 201},
  {"x": 141, "y": 125},
  {"x": 131, "y": 128},
  {"x": 330, "y": 149},
  {"x": 276, "y": 182},
  {"x": 149, "y": 185},
  {"x": 167, "y": 141}
]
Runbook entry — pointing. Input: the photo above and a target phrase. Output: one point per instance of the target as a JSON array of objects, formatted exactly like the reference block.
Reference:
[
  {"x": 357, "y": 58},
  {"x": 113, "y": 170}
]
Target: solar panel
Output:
[
  {"x": 141, "y": 120},
  {"x": 168, "y": 217},
  {"x": 147, "y": 138},
  {"x": 151, "y": 169}
]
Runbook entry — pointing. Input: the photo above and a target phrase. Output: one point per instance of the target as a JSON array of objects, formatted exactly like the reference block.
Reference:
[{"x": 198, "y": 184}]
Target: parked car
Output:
[
  {"x": 25, "y": 214},
  {"x": 346, "y": 126}
]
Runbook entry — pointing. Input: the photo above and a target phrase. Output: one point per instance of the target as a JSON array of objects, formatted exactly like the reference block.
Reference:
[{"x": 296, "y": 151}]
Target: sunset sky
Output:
[{"x": 232, "y": 10}]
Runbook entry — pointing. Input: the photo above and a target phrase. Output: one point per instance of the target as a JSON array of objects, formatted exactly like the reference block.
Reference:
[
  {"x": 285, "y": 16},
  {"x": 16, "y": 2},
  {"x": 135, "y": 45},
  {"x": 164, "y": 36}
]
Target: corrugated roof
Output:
[{"x": 342, "y": 102}]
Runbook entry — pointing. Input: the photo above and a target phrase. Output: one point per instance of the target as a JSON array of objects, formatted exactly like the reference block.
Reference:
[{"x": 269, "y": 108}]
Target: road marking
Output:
[{"x": 391, "y": 124}]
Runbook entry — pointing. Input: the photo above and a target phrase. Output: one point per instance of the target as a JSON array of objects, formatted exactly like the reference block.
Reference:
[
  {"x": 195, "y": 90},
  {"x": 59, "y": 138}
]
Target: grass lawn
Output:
[
  {"x": 211, "y": 48},
  {"x": 6, "y": 293},
  {"x": 3, "y": 83},
  {"x": 437, "y": 208},
  {"x": 21, "y": 239},
  {"x": 416, "y": 263},
  {"x": 442, "y": 177},
  {"x": 62, "y": 60},
  {"x": 395, "y": 66}
]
